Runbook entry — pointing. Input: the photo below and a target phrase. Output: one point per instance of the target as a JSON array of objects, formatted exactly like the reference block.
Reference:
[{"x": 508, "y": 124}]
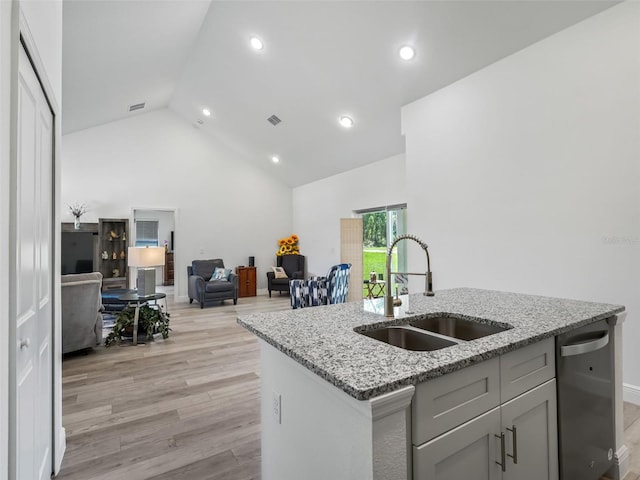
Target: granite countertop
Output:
[{"x": 323, "y": 339}]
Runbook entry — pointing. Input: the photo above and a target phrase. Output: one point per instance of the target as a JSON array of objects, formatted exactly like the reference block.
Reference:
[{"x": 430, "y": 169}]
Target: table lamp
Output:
[{"x": 146, "y": 259}]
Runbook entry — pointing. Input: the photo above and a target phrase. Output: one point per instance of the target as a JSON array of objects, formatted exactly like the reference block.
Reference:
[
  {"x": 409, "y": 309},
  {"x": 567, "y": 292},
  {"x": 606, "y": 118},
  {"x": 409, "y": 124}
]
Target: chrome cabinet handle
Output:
[
  {"x": 514, "y": 437},
  {"x": 503, "y": 452},
  {"x": 24, "y": 343}
]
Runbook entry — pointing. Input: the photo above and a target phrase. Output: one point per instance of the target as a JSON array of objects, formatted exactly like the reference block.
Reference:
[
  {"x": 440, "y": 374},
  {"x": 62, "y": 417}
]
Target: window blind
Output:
[{"x": 147, "y": 233}]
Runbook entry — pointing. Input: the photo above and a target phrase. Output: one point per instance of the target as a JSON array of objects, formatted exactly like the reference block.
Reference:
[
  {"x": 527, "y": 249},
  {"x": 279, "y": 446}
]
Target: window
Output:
[{"x": 147, "y": 233}]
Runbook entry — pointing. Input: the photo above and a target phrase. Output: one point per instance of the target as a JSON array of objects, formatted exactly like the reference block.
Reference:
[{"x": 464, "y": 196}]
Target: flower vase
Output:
[{"x": 76, "y": 223}]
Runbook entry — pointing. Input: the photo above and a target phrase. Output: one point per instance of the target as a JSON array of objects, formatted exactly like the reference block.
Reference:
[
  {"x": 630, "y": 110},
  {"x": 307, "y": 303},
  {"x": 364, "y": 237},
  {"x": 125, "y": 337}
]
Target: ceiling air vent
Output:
[
  {"x": 137, "y": 106},
  {"x": 273, "y": 120}
]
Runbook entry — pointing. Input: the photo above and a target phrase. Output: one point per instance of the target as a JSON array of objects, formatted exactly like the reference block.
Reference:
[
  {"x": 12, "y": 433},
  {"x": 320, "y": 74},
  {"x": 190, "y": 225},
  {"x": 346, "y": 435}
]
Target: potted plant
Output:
[
  {"x": 150, "y": 321},
  {"x": 77, "y": 210}
]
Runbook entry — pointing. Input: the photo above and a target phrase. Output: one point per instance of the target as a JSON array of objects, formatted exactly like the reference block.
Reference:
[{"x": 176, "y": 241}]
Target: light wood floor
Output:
[{"x": 186, "y": 407}]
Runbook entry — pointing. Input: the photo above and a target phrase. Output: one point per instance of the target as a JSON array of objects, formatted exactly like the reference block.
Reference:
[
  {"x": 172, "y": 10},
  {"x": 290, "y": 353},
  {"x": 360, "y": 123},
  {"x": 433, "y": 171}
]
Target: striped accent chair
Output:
[{"x": 327, "y": 290}]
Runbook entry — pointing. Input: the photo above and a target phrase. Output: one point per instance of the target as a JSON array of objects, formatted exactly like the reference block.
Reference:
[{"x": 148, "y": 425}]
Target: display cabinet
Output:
[{"x": 113, "y": 234}]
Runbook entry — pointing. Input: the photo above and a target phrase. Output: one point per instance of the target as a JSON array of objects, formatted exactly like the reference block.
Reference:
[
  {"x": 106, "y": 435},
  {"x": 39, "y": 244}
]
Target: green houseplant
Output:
[{"x": 150, "y": 321}]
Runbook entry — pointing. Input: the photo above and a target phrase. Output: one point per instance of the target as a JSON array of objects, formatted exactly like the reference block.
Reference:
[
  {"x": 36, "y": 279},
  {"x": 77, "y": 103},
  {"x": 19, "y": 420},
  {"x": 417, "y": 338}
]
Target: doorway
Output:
[
  {"x": 155, "y": 227},
  {"x": 380, "y": 226}
]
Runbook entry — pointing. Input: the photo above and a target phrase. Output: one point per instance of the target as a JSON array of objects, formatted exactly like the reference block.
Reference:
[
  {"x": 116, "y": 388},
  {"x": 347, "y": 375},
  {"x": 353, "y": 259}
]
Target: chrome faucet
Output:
[{"x": 388, "y": 299}]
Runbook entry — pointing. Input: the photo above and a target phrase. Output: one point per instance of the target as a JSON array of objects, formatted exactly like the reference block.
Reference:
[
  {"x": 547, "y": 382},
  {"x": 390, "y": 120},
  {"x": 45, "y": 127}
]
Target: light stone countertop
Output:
[{"x": 323, "y": 339}]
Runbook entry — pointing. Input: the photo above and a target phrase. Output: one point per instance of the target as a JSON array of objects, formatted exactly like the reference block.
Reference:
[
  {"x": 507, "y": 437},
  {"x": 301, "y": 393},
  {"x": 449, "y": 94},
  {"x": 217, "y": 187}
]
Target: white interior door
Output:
[{"x": 31, "y": 291}]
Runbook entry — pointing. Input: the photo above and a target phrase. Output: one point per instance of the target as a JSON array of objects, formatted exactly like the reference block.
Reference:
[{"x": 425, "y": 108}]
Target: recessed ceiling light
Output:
[
  {"x": 256, "y": 43},
  {"x": 206, "y": 112},
  {"x": 346, "y": 122},
  {"x": 407, "y": 52},
  {"x": 275, "y": 159}
]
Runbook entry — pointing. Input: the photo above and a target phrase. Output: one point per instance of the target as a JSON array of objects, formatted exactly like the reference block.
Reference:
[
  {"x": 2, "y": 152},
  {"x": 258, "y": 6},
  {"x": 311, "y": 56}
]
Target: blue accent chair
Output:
[{"x": 327, "y": 290}]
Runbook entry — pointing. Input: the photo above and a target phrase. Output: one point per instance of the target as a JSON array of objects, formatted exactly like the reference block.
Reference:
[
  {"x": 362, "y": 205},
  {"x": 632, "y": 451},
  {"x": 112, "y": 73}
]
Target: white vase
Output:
[{"x": 76, "y": 223}]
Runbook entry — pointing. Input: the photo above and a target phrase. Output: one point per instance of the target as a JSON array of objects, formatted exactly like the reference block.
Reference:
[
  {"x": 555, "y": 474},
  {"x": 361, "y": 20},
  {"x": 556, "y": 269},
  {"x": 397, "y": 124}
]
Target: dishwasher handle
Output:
[{"x": 585, "y": 347}]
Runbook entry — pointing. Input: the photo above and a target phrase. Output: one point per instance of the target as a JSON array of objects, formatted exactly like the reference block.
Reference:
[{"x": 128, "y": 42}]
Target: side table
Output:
[
  {"x": 132, "y": 298},
  {"x": 246, "y": 281},
  {"x": 375, "y": 289}
]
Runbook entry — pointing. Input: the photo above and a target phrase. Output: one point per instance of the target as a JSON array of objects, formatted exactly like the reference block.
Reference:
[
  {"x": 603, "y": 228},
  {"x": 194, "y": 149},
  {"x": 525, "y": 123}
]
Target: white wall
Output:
[
  {"x": 526, "y": 174},
  {"x": 319, "y": 206},
  {"x": 226, "y": 208},
  {"x": 44, "y": 18}
]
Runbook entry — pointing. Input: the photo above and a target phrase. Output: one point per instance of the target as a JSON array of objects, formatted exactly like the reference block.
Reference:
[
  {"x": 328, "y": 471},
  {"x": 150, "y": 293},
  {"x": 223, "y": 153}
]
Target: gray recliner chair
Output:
[
  {"x": 202, "y": 289},
  {"x": 81, "y": 311},
  {"x": 294, "y": 267}
]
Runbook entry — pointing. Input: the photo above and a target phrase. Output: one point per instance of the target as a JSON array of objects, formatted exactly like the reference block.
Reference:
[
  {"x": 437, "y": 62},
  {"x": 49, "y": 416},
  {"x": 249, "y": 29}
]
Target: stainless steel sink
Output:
[
  {"x": 456, "y": 327},
  {"x": 409, "y": 338}
]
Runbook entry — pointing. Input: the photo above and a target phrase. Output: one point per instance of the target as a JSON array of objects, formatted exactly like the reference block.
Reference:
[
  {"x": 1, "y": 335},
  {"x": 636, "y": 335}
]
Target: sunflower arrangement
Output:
[{"x": 288, "y": 246}]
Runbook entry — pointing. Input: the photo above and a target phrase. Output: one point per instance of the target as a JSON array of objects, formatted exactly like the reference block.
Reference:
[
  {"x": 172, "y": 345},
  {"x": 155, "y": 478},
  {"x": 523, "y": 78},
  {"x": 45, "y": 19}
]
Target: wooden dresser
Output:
[
  {"x": 168, "y": 268},
  {"x": 246, "y": 281}
]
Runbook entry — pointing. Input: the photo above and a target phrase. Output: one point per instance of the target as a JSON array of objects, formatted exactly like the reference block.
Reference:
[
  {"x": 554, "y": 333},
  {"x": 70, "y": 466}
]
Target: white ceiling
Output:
[{"x": 321, "y": 59}]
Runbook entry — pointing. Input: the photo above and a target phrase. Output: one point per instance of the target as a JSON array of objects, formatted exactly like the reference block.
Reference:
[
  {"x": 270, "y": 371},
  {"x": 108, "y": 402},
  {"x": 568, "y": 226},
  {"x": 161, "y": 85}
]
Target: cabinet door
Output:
[
  {"x": 469, "y": 451},
  {"x": 251, "y": 282},
  {"x": 533, "y": 415}
]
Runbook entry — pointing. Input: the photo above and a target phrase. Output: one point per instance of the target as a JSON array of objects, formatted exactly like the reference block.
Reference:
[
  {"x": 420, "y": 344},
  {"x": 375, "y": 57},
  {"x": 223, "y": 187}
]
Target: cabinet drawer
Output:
[
  {"x": 526, "y": 368},
  {"x": 450, "y": 400}
]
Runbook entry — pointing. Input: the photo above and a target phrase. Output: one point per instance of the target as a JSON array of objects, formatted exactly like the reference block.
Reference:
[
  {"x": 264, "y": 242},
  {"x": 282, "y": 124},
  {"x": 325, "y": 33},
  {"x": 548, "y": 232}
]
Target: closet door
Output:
[{"x": 31, "y": 274}]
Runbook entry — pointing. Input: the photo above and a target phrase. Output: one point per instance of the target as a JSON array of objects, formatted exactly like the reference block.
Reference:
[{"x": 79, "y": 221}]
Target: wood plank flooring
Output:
[{"x": 186, "y": 407}]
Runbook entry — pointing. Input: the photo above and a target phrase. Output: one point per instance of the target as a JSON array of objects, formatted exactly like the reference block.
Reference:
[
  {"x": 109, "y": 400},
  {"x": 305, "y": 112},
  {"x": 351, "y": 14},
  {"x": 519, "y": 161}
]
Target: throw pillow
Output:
[
  {"x": 279, "y": 272},
  {"x": 220, "y": 273}
]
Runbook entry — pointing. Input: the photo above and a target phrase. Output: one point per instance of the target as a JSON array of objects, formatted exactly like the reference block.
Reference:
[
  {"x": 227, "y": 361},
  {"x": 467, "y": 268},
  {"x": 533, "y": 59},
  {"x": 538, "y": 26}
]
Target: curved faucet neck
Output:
[{"x": 388, "y": 299}]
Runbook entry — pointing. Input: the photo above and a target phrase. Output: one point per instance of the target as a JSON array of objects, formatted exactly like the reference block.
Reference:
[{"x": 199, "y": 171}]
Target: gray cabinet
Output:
[
  {"x": 514, "y": 437},
  {"x": 450, "y": 400},
  {"x": 475, "y": 449}
]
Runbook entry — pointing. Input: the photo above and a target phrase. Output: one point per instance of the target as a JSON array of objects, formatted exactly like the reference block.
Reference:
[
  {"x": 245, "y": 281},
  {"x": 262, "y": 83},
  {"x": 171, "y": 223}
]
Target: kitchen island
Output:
[{"x": 336, "y": 403}]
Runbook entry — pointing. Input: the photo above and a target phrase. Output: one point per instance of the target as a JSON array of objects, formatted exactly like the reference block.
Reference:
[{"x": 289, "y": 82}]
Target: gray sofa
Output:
[
  {"x": 202, "y": 289},
  {"x": 81, "y": 311}
]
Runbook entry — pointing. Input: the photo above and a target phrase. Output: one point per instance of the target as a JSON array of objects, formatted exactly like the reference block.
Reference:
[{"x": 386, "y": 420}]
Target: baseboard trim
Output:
[
  {"x": 181, "y": 298},
  {"x": 60, "y": 449},
  {"x": 621, "y": 464},
  {"x": 631, "y": 393}
]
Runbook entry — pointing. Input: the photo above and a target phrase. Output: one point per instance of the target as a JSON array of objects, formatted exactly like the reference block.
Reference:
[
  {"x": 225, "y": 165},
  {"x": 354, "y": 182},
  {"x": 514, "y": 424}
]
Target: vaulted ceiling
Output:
[{"x": 321, "y": 59}]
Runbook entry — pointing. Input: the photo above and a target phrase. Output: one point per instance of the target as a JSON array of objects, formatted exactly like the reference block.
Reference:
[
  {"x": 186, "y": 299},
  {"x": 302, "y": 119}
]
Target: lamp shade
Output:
[{"x": 146, "y": 256}]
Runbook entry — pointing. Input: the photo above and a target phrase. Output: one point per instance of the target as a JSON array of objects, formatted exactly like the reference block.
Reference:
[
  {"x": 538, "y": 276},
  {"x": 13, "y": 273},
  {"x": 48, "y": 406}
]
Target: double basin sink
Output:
[{"x": 433, "y": 333}]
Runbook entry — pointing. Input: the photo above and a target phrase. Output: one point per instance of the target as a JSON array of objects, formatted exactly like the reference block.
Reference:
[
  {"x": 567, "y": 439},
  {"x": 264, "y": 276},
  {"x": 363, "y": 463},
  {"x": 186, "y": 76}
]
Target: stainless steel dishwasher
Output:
[{"x": 586, "y": 427}]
